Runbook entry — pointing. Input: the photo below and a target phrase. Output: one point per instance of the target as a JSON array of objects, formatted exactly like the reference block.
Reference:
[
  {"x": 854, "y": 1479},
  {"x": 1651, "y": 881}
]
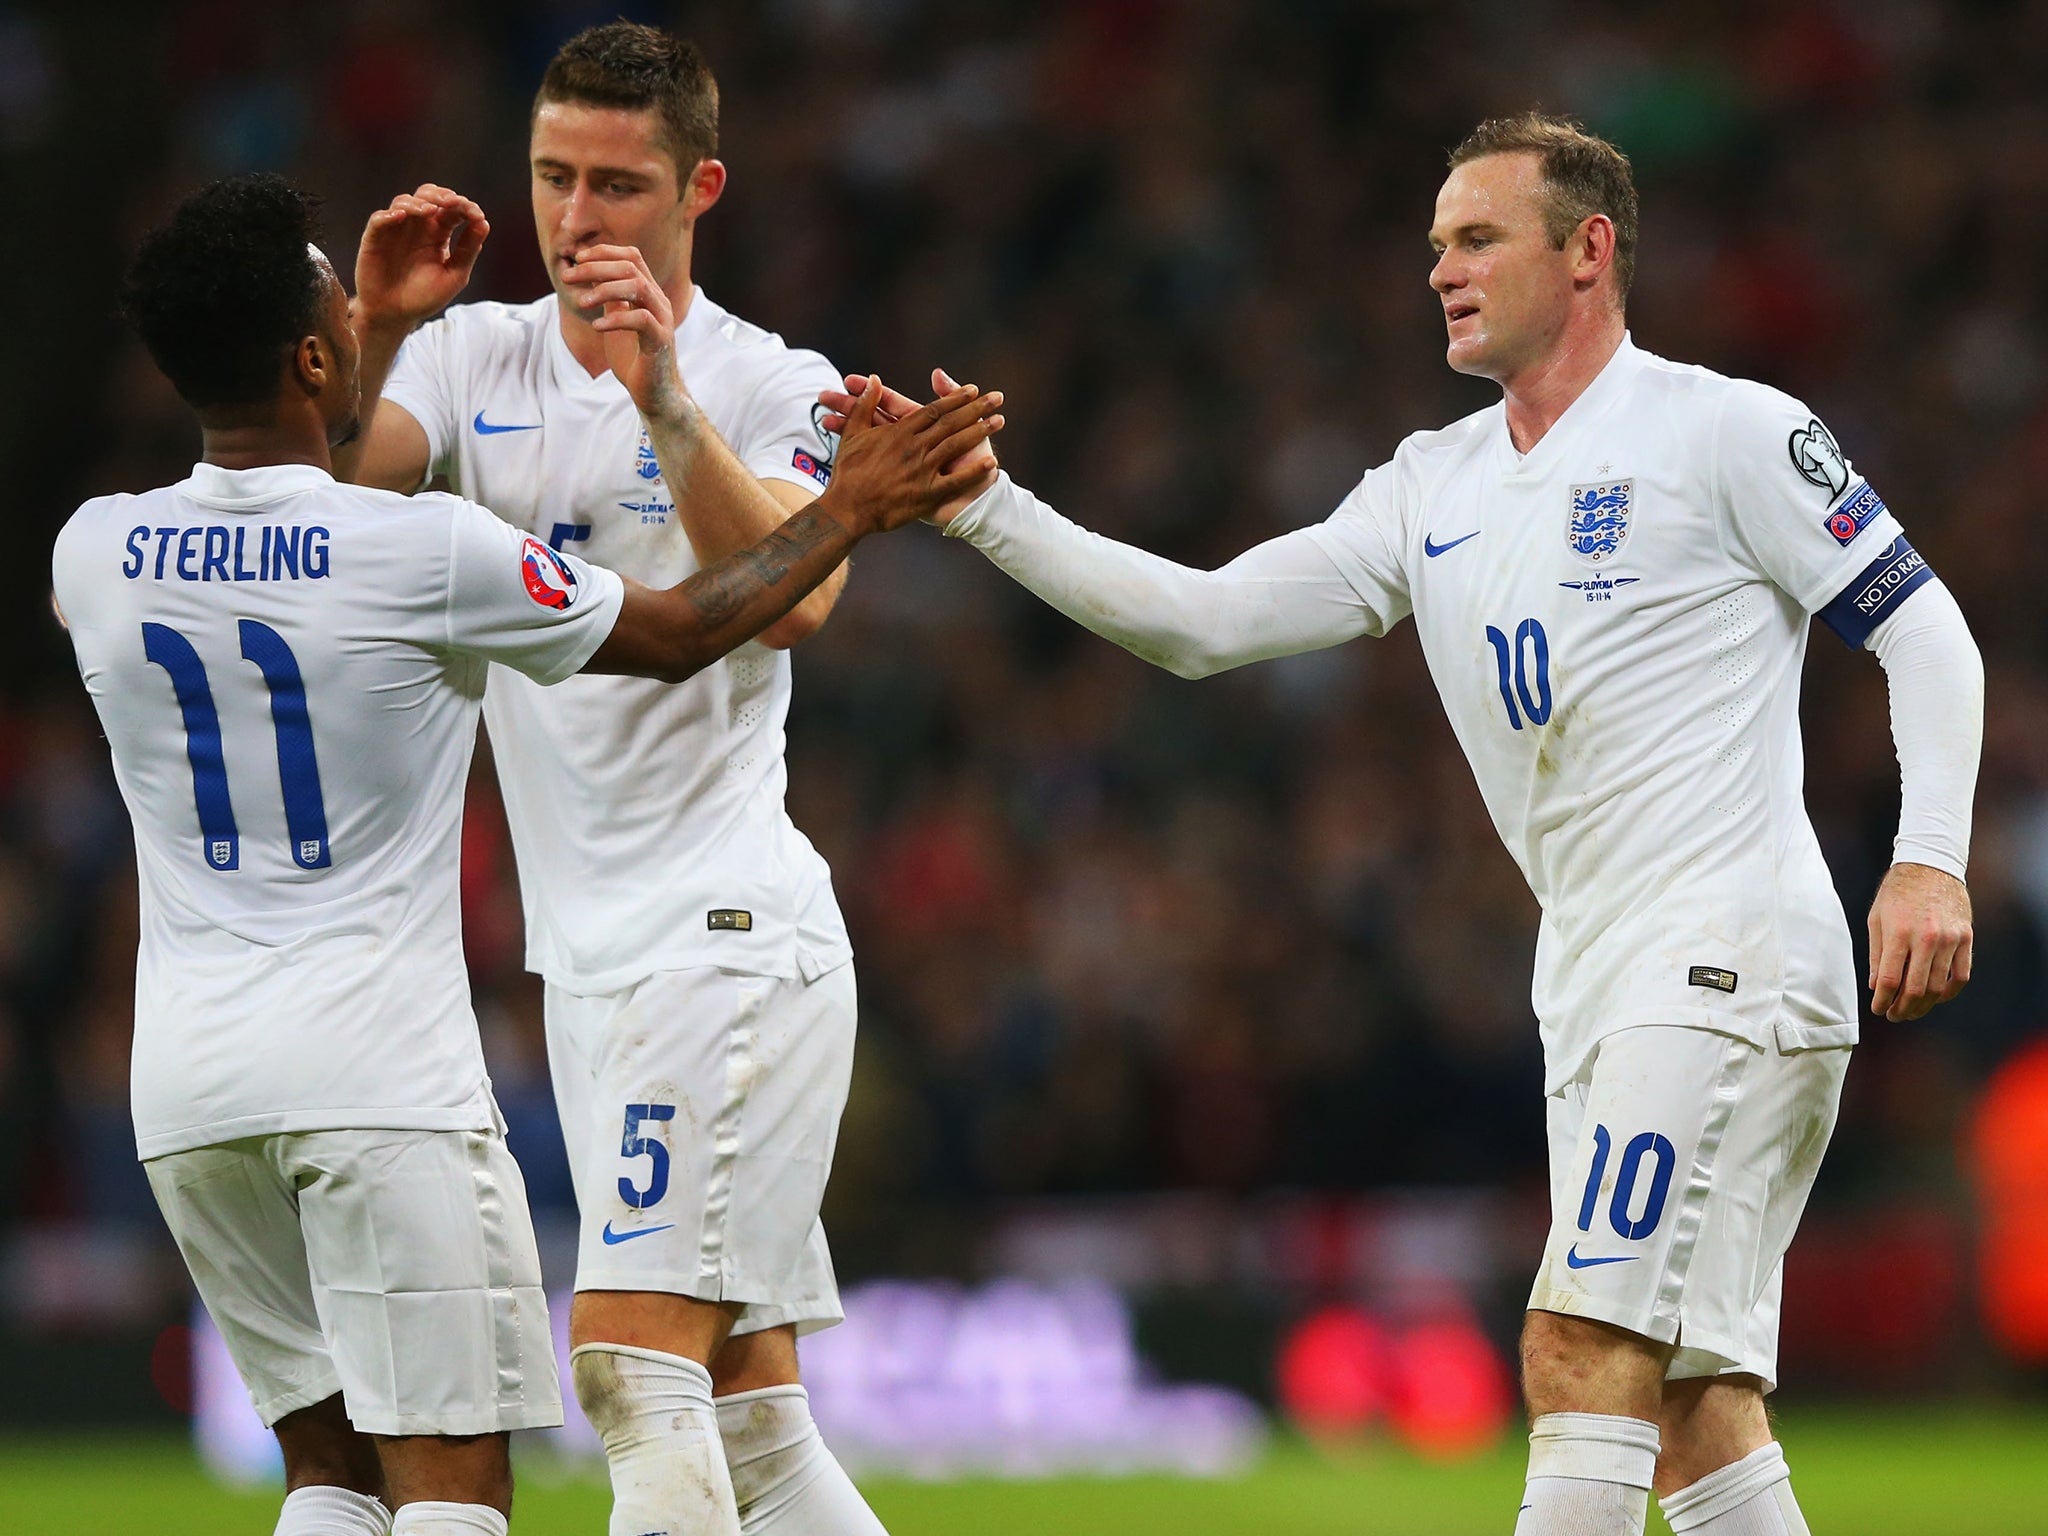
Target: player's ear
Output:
[
  {"x": 704, "y": 186},
  {"x": 1592, "y": 248},
  {"x": 312, "y": 364}
]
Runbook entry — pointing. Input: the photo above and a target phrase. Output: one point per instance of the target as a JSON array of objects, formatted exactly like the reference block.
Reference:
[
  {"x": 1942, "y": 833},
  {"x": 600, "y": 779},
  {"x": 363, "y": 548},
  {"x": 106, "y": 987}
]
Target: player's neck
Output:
[
  {"x": 1538, "y": 396},
  {"x": 244, "y": 444},
  {"x": 587, "y": 346}
]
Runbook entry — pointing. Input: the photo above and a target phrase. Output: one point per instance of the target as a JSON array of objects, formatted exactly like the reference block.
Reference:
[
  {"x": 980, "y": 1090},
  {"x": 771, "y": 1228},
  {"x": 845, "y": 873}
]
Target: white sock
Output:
[
  {"x": 427, "y": 1517},
  {"x": 660, "y": 1432},
  {"x": 324, "y": 1510},
  {"x": 783, "y": 1477},
  {"x": 1750, "y": 1497},
  {"x": 1589, "y": 1475}
]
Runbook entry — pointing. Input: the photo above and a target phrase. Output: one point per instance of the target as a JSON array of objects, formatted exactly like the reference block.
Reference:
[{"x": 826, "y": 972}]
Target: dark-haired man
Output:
[
  {"x": 1611, "y": 572},
  {"x": 700, "y": 998},
  {"x": 288, "y": 670}
]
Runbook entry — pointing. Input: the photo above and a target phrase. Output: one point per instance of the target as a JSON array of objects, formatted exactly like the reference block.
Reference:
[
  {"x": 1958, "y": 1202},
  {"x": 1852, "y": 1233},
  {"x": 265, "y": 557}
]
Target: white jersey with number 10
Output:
[{"x": 1616, "y": 621}]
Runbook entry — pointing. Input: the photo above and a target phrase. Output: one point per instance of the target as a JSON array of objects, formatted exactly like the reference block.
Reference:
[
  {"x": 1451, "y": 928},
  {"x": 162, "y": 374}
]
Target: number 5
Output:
[{"x": 633, "y": 1144}]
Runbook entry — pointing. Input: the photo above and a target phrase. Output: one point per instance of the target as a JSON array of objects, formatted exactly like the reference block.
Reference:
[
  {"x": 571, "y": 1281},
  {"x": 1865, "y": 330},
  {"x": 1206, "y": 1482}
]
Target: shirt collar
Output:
[
  {"x": 1612, "y": 379},
  {"x": 216, "y": 486},
  {"x": 574, "y": 379}
]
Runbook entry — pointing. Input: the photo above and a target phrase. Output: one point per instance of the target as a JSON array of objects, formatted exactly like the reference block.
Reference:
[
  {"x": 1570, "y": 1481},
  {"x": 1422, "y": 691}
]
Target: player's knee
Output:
[
  {"x": 323, "y": 1449},
  {"x": 601, "y": 1390},
  {"x": 1708, "y": 1423},
  {"x": 1577, "y": 1365}
]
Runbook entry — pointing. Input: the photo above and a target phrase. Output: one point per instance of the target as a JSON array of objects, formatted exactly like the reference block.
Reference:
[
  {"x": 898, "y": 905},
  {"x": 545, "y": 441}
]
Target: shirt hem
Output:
[
  {"x": 477, "y": 1115},
  {"x": 784, "y": 963},
  {"x": 1559, "y": 1072}
]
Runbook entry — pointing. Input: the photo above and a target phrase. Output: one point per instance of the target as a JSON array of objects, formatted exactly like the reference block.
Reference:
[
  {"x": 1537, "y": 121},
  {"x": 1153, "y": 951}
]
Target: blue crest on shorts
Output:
[{"x": 1599, "y": 522}]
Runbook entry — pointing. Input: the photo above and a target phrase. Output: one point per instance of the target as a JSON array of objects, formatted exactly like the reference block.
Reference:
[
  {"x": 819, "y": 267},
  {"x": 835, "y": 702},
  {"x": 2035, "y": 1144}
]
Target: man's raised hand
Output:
[
  {"x": 893, "y": 469},
  {"x": 893, "y": 405},
  {"x": 638, "y": 324},
  {"x": 416, "y": 256}
]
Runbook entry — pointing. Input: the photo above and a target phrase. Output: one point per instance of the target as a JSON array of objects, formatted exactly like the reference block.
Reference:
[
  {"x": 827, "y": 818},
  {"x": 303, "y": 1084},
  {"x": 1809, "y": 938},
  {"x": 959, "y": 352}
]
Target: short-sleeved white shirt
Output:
[
  {"x": 289, "y": 672},
  {"x": 648, "y": 818},
  {"x": 1616, "y": 622}
]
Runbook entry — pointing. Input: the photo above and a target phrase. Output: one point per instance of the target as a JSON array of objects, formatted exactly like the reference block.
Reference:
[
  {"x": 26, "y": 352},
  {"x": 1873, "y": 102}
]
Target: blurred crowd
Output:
[{"x": 1115, "y": 931}]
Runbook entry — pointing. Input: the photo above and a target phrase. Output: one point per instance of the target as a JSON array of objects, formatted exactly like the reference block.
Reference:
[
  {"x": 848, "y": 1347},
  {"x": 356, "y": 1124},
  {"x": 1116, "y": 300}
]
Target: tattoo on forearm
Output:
[{"x": 725, "y": 591}]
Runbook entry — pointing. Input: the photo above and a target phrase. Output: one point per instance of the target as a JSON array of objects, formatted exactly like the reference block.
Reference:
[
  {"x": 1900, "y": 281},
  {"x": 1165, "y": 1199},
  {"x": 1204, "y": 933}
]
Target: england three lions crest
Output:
[{"x": 1599, "y": 521}]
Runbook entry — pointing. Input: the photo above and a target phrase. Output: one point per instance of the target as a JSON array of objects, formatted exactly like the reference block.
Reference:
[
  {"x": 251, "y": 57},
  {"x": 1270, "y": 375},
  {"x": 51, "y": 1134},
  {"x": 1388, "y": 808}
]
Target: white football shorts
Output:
[
  {"x": 1680, "y": 1163},
  {"x": 700, "y": 1109},
  {"x": 397, "y": 1268}
]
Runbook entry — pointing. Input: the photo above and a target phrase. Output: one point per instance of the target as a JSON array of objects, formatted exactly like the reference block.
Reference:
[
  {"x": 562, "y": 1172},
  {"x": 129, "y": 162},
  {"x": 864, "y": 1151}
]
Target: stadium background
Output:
[{"x": 1214, "y": 993}]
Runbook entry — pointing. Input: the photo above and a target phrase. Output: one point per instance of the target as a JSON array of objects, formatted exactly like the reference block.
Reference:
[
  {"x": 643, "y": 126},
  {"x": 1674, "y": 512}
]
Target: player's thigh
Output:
[
  {"x": 232, "y": 1212},
  {"x": 1646, "y": 1147},
  {"x": 427, "y": 1279},
  {"x": 1775, "y": 1141}
]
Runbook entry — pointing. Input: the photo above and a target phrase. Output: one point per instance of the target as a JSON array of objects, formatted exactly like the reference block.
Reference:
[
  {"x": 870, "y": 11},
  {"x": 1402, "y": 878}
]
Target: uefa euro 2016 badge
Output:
[
  {"x": 549, "y": 581},
  {"x": 1599, "y": 521}
]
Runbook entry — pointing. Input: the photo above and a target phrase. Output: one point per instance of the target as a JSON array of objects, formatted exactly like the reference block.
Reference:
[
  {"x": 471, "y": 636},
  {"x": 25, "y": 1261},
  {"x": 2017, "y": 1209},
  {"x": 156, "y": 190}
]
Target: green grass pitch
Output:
[{"x": 1892, "y": 1472}]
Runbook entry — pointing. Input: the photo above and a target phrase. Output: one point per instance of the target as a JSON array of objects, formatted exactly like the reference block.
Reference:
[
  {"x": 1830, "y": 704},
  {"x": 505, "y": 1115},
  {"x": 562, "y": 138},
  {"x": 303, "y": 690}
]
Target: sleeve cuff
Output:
[
  {"x": 1906, "y": 852},
  {"x": 596, "y": 629},
  {"x": 421, "y": 411},
  {"x": 974, "y": 519}
]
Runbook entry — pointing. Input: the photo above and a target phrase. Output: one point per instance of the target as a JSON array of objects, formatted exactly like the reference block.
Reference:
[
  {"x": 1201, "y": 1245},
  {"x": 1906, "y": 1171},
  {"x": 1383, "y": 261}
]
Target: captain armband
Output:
[{"x": 1876, "y": 593}]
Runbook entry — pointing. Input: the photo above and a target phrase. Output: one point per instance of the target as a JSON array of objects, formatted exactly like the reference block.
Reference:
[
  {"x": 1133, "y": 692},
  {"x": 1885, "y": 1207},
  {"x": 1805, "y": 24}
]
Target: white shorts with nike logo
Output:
[
  {"x": 1680, "y": 1163},
  {"x": 700, "y": 1109}
]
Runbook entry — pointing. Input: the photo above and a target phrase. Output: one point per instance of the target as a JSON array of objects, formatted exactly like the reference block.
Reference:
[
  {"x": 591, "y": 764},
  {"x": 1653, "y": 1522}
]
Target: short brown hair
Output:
[
  {"x": 1582, "y": 175},
  {"x": 623, "y": 64}
]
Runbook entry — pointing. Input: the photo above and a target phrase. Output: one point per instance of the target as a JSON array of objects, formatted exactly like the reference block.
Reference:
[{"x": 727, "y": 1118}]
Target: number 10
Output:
[{"x": 1535, "y": 705}]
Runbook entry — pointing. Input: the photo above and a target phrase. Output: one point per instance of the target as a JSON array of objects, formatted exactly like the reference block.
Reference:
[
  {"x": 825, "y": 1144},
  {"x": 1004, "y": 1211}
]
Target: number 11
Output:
[{"x": 298, "y": 771}]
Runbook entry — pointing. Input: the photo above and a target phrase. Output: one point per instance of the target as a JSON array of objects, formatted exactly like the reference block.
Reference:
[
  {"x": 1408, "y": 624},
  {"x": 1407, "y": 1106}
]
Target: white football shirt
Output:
[
  {"x": 1616, "y": 621},
  {"x": 289, "y": 672},
  {"x": 647, "y": 817}
]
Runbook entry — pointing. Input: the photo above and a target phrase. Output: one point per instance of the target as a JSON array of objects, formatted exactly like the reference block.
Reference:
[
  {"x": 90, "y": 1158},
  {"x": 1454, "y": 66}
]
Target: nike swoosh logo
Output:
[
  {"x": 613, "y": 1239},
  {"x": 1432, "y": 549},
  {"x": 1573, "y": 1261},
  {"x": 486, "y": 429}
]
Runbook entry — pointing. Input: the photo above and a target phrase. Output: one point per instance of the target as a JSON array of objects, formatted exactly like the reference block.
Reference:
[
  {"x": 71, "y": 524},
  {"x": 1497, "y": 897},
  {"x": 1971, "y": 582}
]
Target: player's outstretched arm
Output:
[
  {"x": 416, "y": 256},
  {"x": 1920, "y": 923},
  {"x": 722, "y": 507},
  {"x": 889, "y": 473},
  {"x": 1277, "y": 599}
]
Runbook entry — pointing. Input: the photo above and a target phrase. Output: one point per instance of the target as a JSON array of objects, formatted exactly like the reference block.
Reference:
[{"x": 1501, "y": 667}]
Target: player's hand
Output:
[
  {"x": 638, "y": 324},
  {"x": 416, "y": 256},
  {"x": 894, "y": 406},
  {"x": 1920, "y": 941},
  {"x": 892, "y": 471}
]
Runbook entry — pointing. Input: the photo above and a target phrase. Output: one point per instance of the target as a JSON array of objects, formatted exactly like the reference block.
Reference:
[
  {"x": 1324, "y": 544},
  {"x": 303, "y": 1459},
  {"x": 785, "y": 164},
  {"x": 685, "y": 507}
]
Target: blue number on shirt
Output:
[
  {"x": 633, "y": 1144},
  {"x": 298, "y": 771},
  {"x": 219, "y": 845},
  {"x": 305, "y": 811},
  {"x": 1648, "y": 1144},
  {"x": 1515, "y": 659},
  {"x": 568, "y": 533}
]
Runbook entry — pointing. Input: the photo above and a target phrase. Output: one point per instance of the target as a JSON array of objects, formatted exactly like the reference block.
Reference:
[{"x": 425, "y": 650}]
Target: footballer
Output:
[{"x": 1612, "y": 572}]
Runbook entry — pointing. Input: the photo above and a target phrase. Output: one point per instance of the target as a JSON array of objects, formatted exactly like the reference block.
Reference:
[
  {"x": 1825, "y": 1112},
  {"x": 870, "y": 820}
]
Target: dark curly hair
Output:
[
  {"x": 623, "y": 64},
  {"x": 227, "y": 287}
]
